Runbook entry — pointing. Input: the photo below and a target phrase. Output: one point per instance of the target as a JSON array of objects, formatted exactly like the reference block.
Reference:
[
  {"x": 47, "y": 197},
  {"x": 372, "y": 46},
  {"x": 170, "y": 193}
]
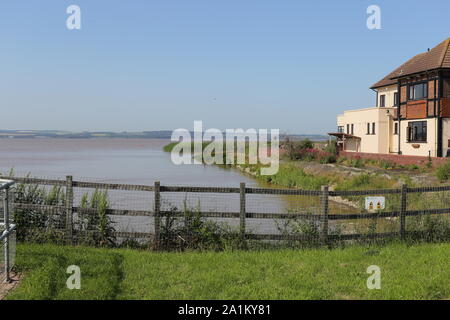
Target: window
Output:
[
  {"x": 418, "y": 91},
  {"x": 383, "y": 101},
  {"x": 417, "y": 131},
  {"x": 373, "y": 127},
  {"x": 395, "y": 98},
  {"x": 348, "y": 129},
  {"x": 368, "y": 128},
  {"x": 396, "y": 128},
  {"x": 341, "y": 129},
  {"x": 352, "y": 129}
]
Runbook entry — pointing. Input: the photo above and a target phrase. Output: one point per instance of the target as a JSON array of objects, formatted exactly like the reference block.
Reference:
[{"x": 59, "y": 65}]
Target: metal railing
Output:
[{"x": 8, "y": 230}]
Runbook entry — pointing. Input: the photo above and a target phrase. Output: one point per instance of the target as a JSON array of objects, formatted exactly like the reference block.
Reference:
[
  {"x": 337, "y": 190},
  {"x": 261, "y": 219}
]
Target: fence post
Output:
[
  {"x": 242, "y": 211},
  {"x": 6, "y": 240},
  {"x": 403, "y": 212},
  {"x": 69, "y": 209},
  {"x": 157, "y": 213},
  {"x": 324, "y": 215}
]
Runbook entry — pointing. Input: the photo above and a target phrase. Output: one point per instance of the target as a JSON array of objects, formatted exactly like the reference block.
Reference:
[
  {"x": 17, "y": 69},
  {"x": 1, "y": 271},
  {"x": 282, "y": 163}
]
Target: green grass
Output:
[
  {"x": 365, "y": 182},
  {"x": 291, "y": 176},
  {"x": 443, "y": 172},
  {"x": 407, "y": 272}
]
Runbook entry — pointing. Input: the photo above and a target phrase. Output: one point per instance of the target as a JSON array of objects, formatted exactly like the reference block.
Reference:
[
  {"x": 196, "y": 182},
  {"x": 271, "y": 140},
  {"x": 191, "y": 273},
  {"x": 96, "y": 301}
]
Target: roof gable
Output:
[{"x": 438, "y": 57}]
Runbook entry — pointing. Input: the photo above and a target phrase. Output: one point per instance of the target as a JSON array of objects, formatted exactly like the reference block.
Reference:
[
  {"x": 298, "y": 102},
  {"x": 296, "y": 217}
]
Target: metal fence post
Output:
[
  {"x": 69, "y": 209},
  {"x": 242, "y": 211},
  {"x": 157, "y": 212},
  {"x": 324, "y": 215},
  {"x": 403, "y": 212},
  {"x": 6, "y": 221}
]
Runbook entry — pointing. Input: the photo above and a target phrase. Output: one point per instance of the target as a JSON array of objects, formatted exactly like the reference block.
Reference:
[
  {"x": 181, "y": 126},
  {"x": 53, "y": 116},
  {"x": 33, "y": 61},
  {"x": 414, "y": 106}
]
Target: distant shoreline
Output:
[{"x": 162, "y": 134}]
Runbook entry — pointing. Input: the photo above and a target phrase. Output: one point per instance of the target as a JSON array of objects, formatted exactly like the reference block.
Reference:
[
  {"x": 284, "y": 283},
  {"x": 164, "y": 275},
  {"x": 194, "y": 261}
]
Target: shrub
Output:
[
  {"x": 38, "y": 225},
  {"x": 429, "y": 228},
  {"x": 187, "y": 230},
  {"x": 413, "y": 167},
  {"x": 291, "y": 176},
  {"x": 332, "y": 147},
  {"x": 384, "y": 164},
  {"x": 305, "y": 144},
  {"x": 308, "y": 231},
  {"x": 43, "y": 226},
  {"x": 295, "y": 150},
  {"x": 356, "y": 162},
  {"x": 443, "y": 171},
  {"x": 95, "y": 227}
]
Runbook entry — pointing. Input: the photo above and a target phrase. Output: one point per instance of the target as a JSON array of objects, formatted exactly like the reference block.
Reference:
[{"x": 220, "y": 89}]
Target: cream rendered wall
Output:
[
  {"x": 377, "y": 143},
  {"x": 445, "y": 135},
  {"x": 389, "y": 92},
  {"x": 393, "y": 138},
  {"x": 407, "y": 148}
]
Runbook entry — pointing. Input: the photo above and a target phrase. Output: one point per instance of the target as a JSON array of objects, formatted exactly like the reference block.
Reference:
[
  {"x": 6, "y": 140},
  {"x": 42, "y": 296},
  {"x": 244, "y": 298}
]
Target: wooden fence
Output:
[{"x": 323, "y": 218}]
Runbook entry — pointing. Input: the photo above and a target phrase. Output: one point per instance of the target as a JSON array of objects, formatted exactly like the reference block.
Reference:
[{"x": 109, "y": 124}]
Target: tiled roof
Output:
[{"x": 438, "y": 57}]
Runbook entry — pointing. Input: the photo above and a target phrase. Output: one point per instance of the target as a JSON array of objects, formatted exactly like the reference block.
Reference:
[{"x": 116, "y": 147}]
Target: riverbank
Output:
[{"x": 343, "y": 174}]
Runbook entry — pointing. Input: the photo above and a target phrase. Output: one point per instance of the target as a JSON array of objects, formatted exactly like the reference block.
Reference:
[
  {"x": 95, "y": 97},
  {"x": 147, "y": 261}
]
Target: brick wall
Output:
[{"x": 400, "y": 159}]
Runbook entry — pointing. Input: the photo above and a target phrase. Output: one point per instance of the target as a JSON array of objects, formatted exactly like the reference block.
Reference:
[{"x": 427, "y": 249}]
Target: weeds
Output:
[
  {"x": 443, "y": 172},
  {"x": 186, "y": 230}
]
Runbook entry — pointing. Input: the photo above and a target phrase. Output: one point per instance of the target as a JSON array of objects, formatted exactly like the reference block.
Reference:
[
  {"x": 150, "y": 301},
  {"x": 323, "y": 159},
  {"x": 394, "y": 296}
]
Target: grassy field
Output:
[{"x": 415, "y": 272}]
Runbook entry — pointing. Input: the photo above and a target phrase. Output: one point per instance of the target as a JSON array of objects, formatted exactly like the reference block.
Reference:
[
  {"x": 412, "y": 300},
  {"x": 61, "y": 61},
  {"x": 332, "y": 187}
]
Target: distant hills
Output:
[{"x": 162, "y": 134}]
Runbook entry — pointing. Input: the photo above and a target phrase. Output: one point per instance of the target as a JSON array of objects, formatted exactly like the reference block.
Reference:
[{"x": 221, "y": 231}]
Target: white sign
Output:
[{"x": 375, "y": 203}]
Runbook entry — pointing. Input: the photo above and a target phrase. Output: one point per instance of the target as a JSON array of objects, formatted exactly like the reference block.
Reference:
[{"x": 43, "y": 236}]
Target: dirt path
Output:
[{"x": 5, "y": 288}]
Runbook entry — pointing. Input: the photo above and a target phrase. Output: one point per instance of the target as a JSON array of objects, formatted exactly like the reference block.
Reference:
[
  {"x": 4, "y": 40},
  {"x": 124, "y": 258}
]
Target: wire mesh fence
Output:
[
  {"x": 7, "y": 264},
  {"x": 7, "y": 233},
  {"x": 183, "y": 217}
]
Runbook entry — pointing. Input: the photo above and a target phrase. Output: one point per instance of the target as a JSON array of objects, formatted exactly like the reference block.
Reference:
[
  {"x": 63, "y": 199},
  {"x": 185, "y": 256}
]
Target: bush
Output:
[
  {"x": 305, "y": 144},
  {"x": 294, "y": 149},
  {"x": 187, "y": 230},
  {"x": 308, "y": 231},
  {"x": 44, "y": 226},
  {"x": 443, "y": 172},
  {"x": 291, "y": 176},
  {"x": 37, "y": 224},
  {"x": 428, "y": 228},
  {"x": 356, "y": 162},
  {"x": 384, "y": 164},
  {"x": 95, "y": 227},
  {"x": 332, "y": 147}
]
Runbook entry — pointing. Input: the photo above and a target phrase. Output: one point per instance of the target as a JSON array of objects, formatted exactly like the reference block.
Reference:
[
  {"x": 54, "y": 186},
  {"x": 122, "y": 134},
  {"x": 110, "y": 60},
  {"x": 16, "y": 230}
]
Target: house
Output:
[{"x": 412, "y": 112}]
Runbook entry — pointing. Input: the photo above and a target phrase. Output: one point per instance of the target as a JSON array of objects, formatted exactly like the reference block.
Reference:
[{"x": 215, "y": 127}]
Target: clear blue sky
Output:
[{"x": 151, "y": 65}]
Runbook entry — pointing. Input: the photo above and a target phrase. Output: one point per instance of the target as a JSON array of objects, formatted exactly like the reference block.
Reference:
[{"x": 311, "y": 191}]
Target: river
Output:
[{"x": 142, "y": 161}]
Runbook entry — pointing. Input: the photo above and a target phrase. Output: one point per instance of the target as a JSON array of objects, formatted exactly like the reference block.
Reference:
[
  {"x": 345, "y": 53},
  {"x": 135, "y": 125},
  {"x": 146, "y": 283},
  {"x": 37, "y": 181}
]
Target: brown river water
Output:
[{"x": 142, "y": 161}]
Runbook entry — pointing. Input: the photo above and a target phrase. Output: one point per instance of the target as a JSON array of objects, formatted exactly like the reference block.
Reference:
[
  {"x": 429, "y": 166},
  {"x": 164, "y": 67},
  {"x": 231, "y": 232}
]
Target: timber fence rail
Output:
[{"x": 323, "y": 214}]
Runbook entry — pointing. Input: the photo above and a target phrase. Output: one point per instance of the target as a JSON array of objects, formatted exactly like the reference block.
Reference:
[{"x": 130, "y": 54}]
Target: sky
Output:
[{"x": 161, "y": 64}]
